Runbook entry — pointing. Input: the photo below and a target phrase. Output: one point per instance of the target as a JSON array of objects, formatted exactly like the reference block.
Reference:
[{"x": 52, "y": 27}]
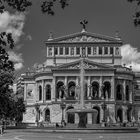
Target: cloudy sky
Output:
[{"x": 31, "y": 29}]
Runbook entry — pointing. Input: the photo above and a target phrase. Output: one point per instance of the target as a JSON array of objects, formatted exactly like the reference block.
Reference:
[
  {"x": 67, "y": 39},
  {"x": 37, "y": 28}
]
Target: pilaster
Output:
[
  {"x": 43, "y": 91},
  {"x": 66, "y": 83},
  {"x": 124, "y": 90},
  {"x": 89, "y": 86},
  {"x": 25, "y": 91},
  {"x": 112, "y": 88},
  {"x": 89, "y": 118},
  {"x": 100, "y": 86},
  {"x": 76, "y": 118},
  {"x": 53, "y": 97}
]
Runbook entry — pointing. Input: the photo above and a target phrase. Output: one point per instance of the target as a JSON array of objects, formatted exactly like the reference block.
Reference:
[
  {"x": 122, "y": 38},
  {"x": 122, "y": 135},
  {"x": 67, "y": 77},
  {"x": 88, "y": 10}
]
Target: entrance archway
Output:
[
  {"x": 47, "y": 115},
  {"x": 96, "y": 119},
  {"x": 70, "y": 116},
  {"x": 119, "y": 115}
]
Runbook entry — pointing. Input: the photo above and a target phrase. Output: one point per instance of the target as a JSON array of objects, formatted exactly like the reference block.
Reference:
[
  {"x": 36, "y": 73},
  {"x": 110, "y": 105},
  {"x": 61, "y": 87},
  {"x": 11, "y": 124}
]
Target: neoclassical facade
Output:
[{"x": 54, "y": 87}]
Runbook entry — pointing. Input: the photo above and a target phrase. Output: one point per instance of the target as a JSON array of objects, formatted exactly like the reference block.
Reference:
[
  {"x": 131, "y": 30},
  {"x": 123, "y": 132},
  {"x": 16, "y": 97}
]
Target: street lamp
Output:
[
  {"x": 37, "y": 110},
  {"x": 103, "y": 105},
  {"x": 63, "y": 106}
]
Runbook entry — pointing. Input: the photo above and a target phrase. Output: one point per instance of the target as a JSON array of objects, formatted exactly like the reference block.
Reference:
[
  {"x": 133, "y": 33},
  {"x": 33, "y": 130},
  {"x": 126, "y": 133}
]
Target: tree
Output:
[
  {"x": 21, "y": 5},
  {"x": 6, "y": 73},
  {"x": 137, "y": 12},
  {"x": 9, "y": 108}
]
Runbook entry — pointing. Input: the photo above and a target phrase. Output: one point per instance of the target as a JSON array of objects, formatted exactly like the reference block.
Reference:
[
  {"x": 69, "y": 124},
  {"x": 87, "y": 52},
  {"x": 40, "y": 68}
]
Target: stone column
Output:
[
  {"x": 53, "y": 96},
  {"x": 36, "y": 92},
  {"x": 124, "y": 90},
  {"x": 43, "y": 91},
  {"x": 124, "y": 114},
  {"x": 66, "y": 85},
  {"x": 25, "y": 91},
  {"x": 108, "y": 50},
  {"x": 101, "y": 114},
  {"x": 76, "y": 118},
  {"x": 89, "y": 118},
  {"x": 42, "y": 84},
  {"x": 112, "y": 88},
  {"x": 86, "y": 49},
  {"x": 103, "y": 50},
  {"x": 131, "y": 92},
  {"x": 100, "y": 86},
  {"x": 89, "y": 87},
  {"x": 97, "y": 50}
]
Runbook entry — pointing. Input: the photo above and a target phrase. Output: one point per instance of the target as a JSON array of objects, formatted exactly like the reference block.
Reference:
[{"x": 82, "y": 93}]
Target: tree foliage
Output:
[
  {"x": 137, "y": 12},
  {"x": 47, "y": 6},
  {"x": 9, "y": 108},
  {"x": 6, "y": 73}
]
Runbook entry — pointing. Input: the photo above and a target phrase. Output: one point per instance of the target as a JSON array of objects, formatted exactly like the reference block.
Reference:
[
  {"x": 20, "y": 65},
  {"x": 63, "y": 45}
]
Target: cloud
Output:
[
  {"x": 17, "y": 59},
  {"x": 12, "y": 23},
  {"x": 130, "y": 57}
]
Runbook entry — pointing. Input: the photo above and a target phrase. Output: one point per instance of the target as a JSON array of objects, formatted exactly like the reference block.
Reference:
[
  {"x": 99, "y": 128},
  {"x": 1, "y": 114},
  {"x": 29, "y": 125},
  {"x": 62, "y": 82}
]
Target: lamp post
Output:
[
  {"x": 103, "y": 105},
  {"x": 37, "y": 111},
  {"x": 62, "y": 105}
]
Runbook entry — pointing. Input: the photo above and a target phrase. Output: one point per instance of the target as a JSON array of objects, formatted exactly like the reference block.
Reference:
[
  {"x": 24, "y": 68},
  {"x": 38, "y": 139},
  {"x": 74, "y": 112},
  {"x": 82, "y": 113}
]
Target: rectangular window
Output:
[
  {"x": 89, "y": 50},
  {"x": 78, "y": 50},
  {"x": 56, "y": 51},
  {"x": 49, "y": 51},
  {"x": 61, "y": 50},
  {"x": 100, "y": 50},
  {"x": 66, "y": 50},
  {"x": 105, "y": 50},
  {"x": 72, "y": 51},
  {"x": 111, "y": 50}
]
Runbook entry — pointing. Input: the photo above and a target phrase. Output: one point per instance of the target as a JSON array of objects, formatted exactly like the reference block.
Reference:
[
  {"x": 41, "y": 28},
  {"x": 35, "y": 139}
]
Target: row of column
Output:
[{"x": 88, "y": 84}]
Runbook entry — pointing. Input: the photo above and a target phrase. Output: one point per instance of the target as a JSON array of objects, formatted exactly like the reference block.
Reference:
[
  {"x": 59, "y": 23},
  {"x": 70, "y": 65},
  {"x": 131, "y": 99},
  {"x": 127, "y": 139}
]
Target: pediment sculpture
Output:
[{"x": 85, "y": 38}]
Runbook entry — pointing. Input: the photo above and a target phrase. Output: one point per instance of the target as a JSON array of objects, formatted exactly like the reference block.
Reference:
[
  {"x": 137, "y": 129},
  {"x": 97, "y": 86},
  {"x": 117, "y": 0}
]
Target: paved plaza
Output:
[{"x": 21, "y": 135}]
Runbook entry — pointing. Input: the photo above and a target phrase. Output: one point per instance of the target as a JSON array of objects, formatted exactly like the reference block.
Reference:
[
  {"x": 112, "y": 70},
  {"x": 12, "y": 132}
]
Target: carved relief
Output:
[
  {"x": 86, "y": 66},
  {"x": 85, "y": 39}
]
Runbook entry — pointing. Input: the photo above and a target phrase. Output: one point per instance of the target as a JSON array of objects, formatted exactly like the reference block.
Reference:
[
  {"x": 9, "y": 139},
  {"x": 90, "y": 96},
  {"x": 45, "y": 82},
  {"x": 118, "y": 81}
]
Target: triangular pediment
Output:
[
  {"x": 84, "y": 37},
  {"x": 87, "y": 64}
]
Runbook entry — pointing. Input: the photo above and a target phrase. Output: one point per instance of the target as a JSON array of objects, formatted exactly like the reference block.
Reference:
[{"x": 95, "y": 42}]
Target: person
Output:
[{"x": 2, "y": 128}]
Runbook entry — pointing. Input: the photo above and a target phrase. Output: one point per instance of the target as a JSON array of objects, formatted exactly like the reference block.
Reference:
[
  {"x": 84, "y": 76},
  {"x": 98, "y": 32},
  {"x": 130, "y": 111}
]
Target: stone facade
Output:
[{"x": 54, "y": 87}]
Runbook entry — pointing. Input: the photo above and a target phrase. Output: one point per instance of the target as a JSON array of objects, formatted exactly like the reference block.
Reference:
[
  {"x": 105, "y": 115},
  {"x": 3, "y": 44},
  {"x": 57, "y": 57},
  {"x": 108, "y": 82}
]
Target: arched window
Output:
[
  {"x": 96, "y": 119},
  {"x": 119, "y": 92},
  {"x": 48, "y": 92},
  {"x": 107, "y": 90},
  {"x": 40, "y": 93},
  {"x": 95, "y": 90},
  {"x": 70, "y": 116},
  {"x": 47, "y": 115},
  {"x": 119, "y": 115},
  {"x": 127, "y": 92},
  {"x": 71, "y": 90},
  {"x": 60, "y": 90}
]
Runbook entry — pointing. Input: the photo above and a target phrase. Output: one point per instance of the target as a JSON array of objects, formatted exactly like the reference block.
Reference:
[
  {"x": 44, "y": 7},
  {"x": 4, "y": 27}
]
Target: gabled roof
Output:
[
  {"x": 84, "y": 37},
  {"x": 87, "y": 65}
]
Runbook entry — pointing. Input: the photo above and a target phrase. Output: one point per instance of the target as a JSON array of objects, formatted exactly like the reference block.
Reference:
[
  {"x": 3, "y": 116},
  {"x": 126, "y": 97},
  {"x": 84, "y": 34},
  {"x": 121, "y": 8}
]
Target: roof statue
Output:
[{"x": 83, "y": 23}]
